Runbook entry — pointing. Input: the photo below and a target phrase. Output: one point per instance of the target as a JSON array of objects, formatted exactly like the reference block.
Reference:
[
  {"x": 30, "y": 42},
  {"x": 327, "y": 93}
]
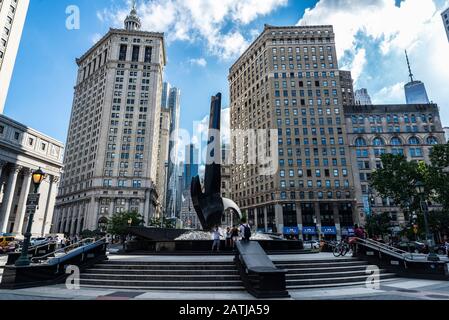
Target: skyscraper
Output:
[
  {"x": 163, "y": 158},
  {"x": 362, "y": 97},
  {"x": 173, "y": 104},
  {"x": 191, "y": 165},
  {"x": 288, "y": 81},
  {"x": 446, "y": 133},
  {"x": 111, "y": 158},
  {"x": 12, "y": 19},
  {"x": 415, "y": 91},
  {"x": 347, "y": 87},
  {"x": 445, "y": 16}
]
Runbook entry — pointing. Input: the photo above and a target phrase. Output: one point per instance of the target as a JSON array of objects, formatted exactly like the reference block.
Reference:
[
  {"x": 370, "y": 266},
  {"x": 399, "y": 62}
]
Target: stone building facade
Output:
[
  {"x": 410, "y": 130},
  {"x": 111, "y": 159},
  {"x": 288, "y": 80},
  {"x": 12, "y": 19},
  {"x": 22, "y": 151}
]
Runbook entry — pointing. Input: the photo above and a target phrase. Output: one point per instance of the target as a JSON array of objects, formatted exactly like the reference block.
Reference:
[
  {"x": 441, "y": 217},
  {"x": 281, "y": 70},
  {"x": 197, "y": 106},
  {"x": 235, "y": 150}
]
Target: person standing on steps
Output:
[
  {"x": 235, "y": 236},
  {"x": 216, "y": 237},
  {"x": 245, "y": 230}
]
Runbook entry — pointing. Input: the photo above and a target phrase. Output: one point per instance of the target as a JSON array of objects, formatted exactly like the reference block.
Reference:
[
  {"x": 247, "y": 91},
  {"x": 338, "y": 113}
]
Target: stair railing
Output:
[
  {"x": 385, "y": 248},
  {"x": 66, "y": 250}
]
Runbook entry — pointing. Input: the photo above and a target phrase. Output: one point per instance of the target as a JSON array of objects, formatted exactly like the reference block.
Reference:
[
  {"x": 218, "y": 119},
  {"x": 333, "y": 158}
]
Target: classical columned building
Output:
[
  {"x": 23, "y": 150},
  {"x": 111, "y": 159}
]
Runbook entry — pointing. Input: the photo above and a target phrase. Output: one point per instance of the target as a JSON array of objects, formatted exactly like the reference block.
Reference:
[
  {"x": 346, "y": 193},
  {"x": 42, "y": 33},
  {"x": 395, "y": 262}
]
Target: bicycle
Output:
[{"x": 342, "y": 248}]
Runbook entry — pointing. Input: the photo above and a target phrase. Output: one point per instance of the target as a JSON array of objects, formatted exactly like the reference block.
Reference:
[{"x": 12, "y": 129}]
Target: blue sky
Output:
[{"x": 204, "y": 37}]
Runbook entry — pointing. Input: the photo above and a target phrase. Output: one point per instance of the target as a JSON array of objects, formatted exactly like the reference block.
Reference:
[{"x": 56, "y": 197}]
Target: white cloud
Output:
[
  {"x": 96, "y": 37},
  {"x": 192, "y": 20},
  {"x": 384, "y": 30},
  {"x": 392, "y": 94},
  {"x": 198, "y": 62}
]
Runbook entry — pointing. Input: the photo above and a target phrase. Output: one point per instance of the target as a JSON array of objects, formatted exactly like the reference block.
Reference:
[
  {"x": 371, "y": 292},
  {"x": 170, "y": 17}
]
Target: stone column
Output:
[
  {"x": 146, "y": 211},
  {"x": 50, "y": 205},
  {"x": 9, "y": 197},
  {"x": 2, "y": 165},
  {"x": 20, "y": 216},
  {"x": 318, "y": 218},
  {"x": 299, "y": 217},
  {"x": 265, "y": 218},
  {"x": 111, "y": 207},
  {"x": 77, "y": 227},
  {"x": 337, "y": 220},
  {"x": 279, "y": 215}
]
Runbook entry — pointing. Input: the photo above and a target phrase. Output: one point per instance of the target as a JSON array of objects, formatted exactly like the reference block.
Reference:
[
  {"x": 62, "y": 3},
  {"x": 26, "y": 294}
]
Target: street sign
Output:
[
  {"x": 33, "y": 199},
  {"x": 31, "y": 209}
]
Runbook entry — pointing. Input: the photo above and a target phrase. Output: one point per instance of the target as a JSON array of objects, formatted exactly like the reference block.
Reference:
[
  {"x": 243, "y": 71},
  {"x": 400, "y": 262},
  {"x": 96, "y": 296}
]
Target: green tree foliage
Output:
[
  {"x": 162, "y": 223},
  {"x": 119, "y": 223},
  {"x": 398, "y": 177},
  {"x": 378, "y": 224}
]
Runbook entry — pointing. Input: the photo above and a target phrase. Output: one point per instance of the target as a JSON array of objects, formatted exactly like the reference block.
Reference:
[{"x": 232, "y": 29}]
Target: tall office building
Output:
[
  {"x": 347, "y": 87},
  {"x": 415, "y": 91},
  {"x": 173, "y": 104},
  {"x": 163, "y": 158},
  {"x": 362, "y": 97},
  {"x": 446, "y": 133},
  {"x": 12, "y": 19},
  {"x": 191, "y": 165},
  {"x": 288, "y": 80},
  {"x": 111, "y": 158},
  {"x": 445, "y": 16},
  {"x": 165, "y": 94}
]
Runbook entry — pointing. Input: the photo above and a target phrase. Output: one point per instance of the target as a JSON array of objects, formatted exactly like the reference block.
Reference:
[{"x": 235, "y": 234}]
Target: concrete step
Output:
[
  {"x": 332, "y": 281},
  {"x": 158, "y": 277},
  {"x": 199, "y": 284},
  {"x": 336, "y": 284},
  {"x": 169, "y": 263},
  {"x": 174, "y": 288},
  {"x": 302, "y": 270},
  {"x": 318, "y": 264},
  {"x": 329, "y": 274},
  {"x": 160, "y": 272},
  {"x": 164, "y": 267}
]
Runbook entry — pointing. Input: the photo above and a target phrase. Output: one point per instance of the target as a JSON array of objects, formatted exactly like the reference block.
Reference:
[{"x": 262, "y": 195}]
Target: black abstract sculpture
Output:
[{"x": 208, "y": 205}]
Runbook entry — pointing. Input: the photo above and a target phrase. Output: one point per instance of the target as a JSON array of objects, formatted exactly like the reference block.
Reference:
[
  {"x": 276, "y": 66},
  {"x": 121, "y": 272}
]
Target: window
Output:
[
  {"x": 360, "y": 142},
  {"x": 432, "y": 140},
  {"x": 378, "y": 142},
  {"x": 16, "y": 135},
  {"x": 148, "y": 54},
  {"x": 413, "y": 141},
  {"x": 122, "y": 54},
  {"x": 396, "y": 141},
  {"x": 135, "y": 56}
]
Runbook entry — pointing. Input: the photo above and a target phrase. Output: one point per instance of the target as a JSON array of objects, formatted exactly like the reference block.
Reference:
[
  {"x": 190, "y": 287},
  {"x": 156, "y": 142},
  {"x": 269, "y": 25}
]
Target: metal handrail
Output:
[
  {"x": 66, "y": 250},
  {"x": 399, "y": 253}
]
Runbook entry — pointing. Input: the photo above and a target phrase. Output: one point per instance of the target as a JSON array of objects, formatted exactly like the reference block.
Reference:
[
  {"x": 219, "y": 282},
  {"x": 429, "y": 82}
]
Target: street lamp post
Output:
[
  {"x": 423, "y": 205},
  {"x": 33, "y": 200}
]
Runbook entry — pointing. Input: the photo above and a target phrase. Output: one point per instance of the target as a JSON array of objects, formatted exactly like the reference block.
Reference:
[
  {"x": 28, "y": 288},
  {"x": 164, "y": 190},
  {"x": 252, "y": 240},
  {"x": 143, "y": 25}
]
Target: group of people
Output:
[{"x": 233, "y": 235}]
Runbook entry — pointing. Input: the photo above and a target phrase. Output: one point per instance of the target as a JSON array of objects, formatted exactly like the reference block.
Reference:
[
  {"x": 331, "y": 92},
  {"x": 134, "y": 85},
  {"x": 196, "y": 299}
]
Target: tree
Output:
[
  {"x": 119, "y": 223},
  {"x": 397, "y": 180},
  {"x": 398, "y": 177},
  {"x": 378, "y": 224},
  {"x": 162, "y": 223}
]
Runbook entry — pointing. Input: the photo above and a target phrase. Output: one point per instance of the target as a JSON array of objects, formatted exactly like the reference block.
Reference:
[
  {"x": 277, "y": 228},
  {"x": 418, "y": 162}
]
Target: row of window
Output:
[
  {"x": 122, "y": 183},
  {"x": 395, "y": 141}
]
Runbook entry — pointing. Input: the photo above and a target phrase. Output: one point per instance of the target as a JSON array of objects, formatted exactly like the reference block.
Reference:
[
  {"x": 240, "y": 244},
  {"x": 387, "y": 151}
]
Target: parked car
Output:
[
  {"x": 38, "y": 241},
  {"x": 5, "y": 240},
  {"x": 412, "y": 246},
  {"x": 311, "y": 244}
]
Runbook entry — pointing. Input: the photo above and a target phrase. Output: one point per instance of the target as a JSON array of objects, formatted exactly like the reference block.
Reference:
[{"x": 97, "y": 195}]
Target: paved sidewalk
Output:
[{"x": 400, "y": 289}]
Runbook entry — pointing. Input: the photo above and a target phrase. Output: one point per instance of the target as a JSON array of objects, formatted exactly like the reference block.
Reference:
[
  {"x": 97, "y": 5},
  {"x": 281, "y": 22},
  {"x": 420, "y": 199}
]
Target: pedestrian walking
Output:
[{"x": 235, "y": 236}]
